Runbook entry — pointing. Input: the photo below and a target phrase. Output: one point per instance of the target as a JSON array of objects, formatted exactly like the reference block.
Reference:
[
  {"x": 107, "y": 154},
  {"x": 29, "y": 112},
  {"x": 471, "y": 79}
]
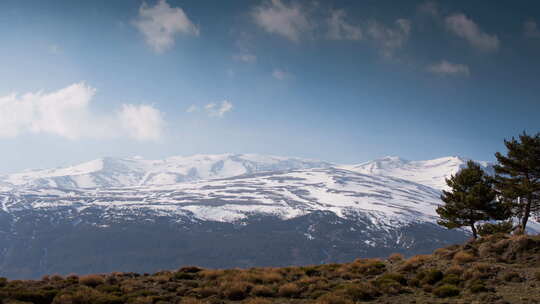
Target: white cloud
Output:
[
  {"x": 390, "y": 38},
  {"x": 467, "y": 29},
  {"x": 530, "y": 29},
  {"x": 340, "y": 29},
  {"x": 141, "y": 122},
  {"x": 447, "y": 68},
  {"x": 289, "y": 21},
  {"x": 279, "y": 74},
  {"x": 192, "y": 109},
  {"x": 245, "y": 57},
  {"x": 218, "y": 109},
  {"x": 67, "y": 113},
  {"x": 161, "y": 23}
]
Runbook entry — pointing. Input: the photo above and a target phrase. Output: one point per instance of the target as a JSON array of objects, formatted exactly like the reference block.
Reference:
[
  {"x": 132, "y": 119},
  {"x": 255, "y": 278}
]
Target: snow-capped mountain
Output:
[
  {"x": 218, "y": 211},
  {"x": 431, "y": 173},
  {"x": 127, "y": 172},
  {"x": 284, "y": 194}
]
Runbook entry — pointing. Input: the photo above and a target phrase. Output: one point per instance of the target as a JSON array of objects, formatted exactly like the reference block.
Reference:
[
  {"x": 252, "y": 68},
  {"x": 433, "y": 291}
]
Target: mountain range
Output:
[{"x": 228, "y": 210}]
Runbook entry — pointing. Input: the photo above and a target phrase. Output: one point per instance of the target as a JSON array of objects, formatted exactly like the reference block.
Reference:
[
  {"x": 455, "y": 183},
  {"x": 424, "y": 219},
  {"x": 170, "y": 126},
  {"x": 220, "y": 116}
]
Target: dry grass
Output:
[
  {"x": 463, "y": 257},
  {"x": 415, "y": 262},
  {"x": 289, "y": 290},
  {"x": 396, "y": 257},
  {"x": 455, "y": 269},
  {"x": 91, "y": 280}
]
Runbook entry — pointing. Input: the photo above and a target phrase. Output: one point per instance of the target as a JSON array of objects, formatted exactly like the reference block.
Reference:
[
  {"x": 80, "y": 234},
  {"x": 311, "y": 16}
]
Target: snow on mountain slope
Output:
[
  {"x": 387, "y": 201},
  {"x": 126, "y": 172},
  {"x": 431, "y": 173}
]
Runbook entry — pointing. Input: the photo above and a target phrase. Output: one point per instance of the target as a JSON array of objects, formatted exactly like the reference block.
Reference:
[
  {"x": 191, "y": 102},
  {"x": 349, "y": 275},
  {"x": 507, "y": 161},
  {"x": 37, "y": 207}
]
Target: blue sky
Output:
[{"x": 343, "y": 81}]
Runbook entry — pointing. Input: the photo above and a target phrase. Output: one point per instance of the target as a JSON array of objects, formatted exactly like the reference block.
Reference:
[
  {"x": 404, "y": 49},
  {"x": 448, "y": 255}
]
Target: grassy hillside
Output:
[{"x": 495, "y": 269}]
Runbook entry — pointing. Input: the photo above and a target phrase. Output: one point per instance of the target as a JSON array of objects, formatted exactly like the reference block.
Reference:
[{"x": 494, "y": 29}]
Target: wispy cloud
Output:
[
  {"x": 280, "y": 74},
  {"x": 290, "y": 21},
  {"x": 465, "y": 28},
  {"x": 445, "y": 68},
  {"x": 245, "y": 57},
  {"x": 161, "y": 23},
  {"x": 218, "y": 109},
  {"x": 530, "y": 29},
  {"x": 67, "y": 113},
  {"x": 192, "y": 109},
  {"x": 213, "y": 109},
  {"x": 390, "y": 38},
  {"x": 341, "y": 29}
]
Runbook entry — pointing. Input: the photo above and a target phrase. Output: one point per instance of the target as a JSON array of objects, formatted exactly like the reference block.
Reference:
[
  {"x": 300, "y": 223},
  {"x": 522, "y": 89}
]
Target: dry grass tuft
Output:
[
  {"x": 463, "y": 257},
  {"x": 396, "y": 257},
  {"x": 91, "y": 280},
  {"x": 290, "y": 290},
  {"x": 415, "y": 262}
]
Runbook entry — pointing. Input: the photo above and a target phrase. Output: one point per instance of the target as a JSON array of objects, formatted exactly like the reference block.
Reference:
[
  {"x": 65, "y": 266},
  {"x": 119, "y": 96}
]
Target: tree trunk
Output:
[
  {"x": 526, "y": 214},
  {"x": 474, "y": 233}
]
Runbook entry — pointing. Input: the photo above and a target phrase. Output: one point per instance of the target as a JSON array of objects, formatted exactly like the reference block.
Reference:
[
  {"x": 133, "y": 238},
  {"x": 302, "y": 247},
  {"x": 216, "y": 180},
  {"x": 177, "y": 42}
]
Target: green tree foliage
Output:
[
  {"x": 471, "y": 199},
  {"x": 486, "y": 229},
  {"x": 517, "y": 178}
]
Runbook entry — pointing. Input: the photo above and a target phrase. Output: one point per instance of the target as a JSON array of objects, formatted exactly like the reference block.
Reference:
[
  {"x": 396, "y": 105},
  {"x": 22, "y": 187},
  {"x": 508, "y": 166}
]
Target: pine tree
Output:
[
  {"x": 471, "y": 199},
  {"x": 517, "y": 177}
]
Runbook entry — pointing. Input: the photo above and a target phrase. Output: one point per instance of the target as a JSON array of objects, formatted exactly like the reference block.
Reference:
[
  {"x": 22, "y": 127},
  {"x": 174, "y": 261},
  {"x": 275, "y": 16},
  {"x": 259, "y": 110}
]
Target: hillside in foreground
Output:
[{"x": 494, "y": 269}]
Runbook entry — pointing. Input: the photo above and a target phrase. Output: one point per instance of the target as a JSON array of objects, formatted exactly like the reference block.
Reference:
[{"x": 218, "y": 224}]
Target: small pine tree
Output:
[
  {"x": 517, "y": 178},
  {"x": 471, "y": 199}
]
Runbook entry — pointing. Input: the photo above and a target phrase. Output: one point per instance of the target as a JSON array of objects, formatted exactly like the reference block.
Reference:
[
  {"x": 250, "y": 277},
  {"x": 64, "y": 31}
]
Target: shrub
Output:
[
  {"x": 191, "y": 301},
  {"x": 263, "y": 291},
  {"x": 3, "y": 281},
  {"x": 512, "y": 277},
  {"x": 184, "y": 276},
  {"x": 361, "y": 292},
  {"x": 235, "y": 291},
  {"x": 257, "y": 301},
  {"x": 446, "y": 253},
  {"x": 312, "y": 271},
  {"x": 205, "y": 292},
  {"x": 85, "y": 295},
  {"x": 268, "y": 277},
  {"x": 463, "y": 257},
  {"x": 414, "y": 262},
  {"x": 388, "y": 286},
  {"x": 479, "y": 271},
  {"x": 432, "y": 276},
  {"x": 445, "y": 291},
  {"x": 490, "y": 229},
  {"x": 399, "y": 278},
  {"x": 333, "y": 298},
  {"x": 290, "y": 290},
  {"x": 537, "y": 275},
  {"x": 368, "y": 266},
  {"x": 477, "y": 286},
  {"x": 451, "y": 279},
  {"x": 396, "y": 257},
  {"x": 455, "y": 269},
  {"x": 34, "y": 296},
  {"x": 211, "y": 274},
  {"x": 190, "y": 269},
  {"x": 56, "y": 277},
  {"x": 73, "y": 278},
  {"x": 91, "y": 280}
]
